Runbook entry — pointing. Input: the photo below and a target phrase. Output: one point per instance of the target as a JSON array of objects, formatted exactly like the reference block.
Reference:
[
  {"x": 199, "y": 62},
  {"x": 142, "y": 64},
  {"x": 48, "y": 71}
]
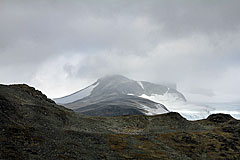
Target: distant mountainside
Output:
[
  {"x": 118, "y": 95},
  {"x": 35, "y": 127}
]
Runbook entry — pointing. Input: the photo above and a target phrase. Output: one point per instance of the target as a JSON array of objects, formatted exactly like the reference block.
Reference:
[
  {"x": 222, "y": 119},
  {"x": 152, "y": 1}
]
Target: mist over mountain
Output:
[
  {"x": 65, "y": 45},
  {"x": 118, "y": 95},
  {"x": 171, "y": 90}
]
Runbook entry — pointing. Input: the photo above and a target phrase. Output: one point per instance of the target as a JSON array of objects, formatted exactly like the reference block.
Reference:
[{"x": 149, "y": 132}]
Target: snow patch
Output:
[
  {"x": 167, "y": 90},
  {"x": 140, "y": 84},
  {"x": 76, "y": 96},
  {"x": 153, "y": 111}
]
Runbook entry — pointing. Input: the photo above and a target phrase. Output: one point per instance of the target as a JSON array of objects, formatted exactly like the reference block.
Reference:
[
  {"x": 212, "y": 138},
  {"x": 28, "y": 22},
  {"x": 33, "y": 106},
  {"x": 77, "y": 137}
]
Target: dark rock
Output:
[
  {"x": 32, "y": 127},
  {"x": 220, "y": 118}
]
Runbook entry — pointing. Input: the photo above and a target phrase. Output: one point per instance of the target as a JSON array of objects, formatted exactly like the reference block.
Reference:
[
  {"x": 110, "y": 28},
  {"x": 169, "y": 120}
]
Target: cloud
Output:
[{"x": 62, "y": 46}]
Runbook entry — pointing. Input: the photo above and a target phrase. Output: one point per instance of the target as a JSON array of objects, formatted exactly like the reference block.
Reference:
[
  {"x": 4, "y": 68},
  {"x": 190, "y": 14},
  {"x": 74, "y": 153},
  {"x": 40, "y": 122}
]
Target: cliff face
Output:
[{"x": 34, "y": 127}]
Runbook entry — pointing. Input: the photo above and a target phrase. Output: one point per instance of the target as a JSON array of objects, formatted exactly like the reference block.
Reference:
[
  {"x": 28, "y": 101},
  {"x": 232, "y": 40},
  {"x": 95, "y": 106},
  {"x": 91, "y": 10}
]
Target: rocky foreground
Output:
[{"x": 34, "y": 127}]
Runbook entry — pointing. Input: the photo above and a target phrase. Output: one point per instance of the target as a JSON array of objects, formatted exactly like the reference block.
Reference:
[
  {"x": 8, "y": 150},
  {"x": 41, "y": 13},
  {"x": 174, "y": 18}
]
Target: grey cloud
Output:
[{"x": 194, "y": 43}]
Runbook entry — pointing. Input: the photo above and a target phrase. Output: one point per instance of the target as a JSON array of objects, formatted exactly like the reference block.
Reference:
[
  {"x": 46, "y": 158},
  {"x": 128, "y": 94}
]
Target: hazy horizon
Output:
[{"x": 60, "y": 47}]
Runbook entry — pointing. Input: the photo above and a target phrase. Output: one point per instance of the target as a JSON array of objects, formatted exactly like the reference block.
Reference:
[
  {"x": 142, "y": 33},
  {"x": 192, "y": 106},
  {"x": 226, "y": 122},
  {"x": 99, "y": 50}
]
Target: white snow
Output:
[
  {"x": 190, "y": 110},
  {"x": 172, "y": 102},
  {"x": 167, "y": 90},
  {"x": 140, "y": 84},
  {"x": 76, "y": 96},
  {"x": 153, "y": 111}
]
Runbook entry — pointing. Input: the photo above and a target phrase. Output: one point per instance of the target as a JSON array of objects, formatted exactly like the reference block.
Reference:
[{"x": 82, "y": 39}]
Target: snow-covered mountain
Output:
[
  {"x": 77, "y": 95},
  {"x": 118, "y": 95}
]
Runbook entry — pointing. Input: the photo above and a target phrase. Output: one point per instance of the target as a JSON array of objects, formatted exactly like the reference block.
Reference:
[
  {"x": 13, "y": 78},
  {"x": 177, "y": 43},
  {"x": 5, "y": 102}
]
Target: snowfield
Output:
[
  {"x": 76, "y": 96},
  {"x": 188, "y": 110}
]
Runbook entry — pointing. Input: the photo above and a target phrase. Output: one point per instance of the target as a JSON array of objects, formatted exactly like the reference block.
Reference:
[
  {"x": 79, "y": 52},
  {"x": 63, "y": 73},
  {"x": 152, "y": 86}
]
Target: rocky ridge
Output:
[{"x": 34, "y": 127}]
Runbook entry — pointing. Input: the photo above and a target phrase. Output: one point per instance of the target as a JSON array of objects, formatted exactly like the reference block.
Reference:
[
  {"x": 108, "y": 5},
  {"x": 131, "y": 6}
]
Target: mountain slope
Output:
[
  {"x": 146, "y": 98},
  {"x": 120, "y": 85},
  {"x": 117, "y": 105},
  {"x": 34, "y": 127},
  {"x": 120, "y": 94}
]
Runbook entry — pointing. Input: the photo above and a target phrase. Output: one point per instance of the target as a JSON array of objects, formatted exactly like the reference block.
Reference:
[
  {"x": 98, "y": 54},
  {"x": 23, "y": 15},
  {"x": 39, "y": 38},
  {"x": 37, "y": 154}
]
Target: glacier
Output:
[{"x": 188, "y": 110}]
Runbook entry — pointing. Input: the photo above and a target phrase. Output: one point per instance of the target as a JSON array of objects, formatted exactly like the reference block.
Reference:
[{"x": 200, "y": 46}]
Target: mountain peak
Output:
[{"x": 113, "y": 77}]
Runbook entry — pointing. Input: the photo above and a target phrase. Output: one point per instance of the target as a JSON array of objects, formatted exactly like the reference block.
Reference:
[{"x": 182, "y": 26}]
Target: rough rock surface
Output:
[{"x": 34, "y": 127}]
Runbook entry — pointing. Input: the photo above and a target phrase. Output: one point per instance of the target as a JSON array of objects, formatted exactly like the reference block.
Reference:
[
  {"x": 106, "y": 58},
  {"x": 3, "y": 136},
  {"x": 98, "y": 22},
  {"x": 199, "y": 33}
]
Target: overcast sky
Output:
[{"x": 61, "y": 46}]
